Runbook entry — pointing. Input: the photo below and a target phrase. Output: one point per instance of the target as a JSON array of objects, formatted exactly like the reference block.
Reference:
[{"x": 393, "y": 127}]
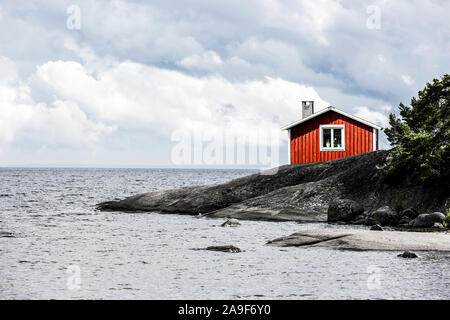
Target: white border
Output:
[
  {"x": 330, "y": 109},
  {"x": 332, "y": 126}
]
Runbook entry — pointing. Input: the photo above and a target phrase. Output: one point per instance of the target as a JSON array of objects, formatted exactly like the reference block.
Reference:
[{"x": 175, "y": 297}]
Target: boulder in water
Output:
[
  {"x": 227, "y": 248},
  {"x": 5, "y": 234},
  {"x": 408, "y": 255},
  {"x": 231, "y": 223}
]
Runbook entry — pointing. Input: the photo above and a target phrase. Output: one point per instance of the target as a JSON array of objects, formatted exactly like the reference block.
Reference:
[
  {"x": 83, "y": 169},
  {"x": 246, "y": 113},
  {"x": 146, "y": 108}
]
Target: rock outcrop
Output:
[
  {"x": 427, "y": 220},
  {"x": 299, "y": 192},
  {"x": 352, "y": 239},
  {"x": 231, "y": 223},
  {"x": 408, "y": 255}
]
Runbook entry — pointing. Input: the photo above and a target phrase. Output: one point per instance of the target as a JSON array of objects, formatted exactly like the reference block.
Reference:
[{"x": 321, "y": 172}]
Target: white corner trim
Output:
[
  {"x": 332, "y": 126},
  {"x": 289, "y": 146},
  {"x": 374, "y": 139}
]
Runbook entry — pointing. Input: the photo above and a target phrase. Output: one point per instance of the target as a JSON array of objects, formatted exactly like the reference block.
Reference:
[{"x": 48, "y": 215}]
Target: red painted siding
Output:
[{"x": 305, "y": 139}]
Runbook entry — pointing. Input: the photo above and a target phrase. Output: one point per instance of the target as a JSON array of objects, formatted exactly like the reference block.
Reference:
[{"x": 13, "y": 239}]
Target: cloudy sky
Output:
[{"x": 112, "y": 83}]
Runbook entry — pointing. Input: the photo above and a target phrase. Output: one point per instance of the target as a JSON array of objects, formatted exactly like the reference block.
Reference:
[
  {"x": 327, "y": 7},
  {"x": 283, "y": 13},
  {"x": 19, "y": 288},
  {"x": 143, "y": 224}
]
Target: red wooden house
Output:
[{"x": 329, "y": 134}]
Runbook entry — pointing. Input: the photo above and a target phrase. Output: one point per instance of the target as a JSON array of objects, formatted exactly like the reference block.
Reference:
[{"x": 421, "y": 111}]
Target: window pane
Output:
[
  {"x": 337, "y": 136},
  {"x": 326, "y": 138}
]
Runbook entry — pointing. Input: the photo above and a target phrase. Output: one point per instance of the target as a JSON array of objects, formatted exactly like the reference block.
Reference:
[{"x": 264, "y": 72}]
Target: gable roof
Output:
[{"x": 330, "y": 108}]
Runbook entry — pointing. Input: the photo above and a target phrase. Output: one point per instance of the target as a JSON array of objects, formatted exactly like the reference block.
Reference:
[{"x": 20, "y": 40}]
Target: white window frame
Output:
[{"x": 332, "y": 126}]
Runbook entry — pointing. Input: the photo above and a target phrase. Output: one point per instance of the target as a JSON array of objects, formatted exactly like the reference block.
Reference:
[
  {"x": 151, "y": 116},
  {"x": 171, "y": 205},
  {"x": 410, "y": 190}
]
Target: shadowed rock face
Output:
[
  {"x": 384, "y": 216},
  {"x": 293, "y": 192},
  {"x": 344, "y": 210}
]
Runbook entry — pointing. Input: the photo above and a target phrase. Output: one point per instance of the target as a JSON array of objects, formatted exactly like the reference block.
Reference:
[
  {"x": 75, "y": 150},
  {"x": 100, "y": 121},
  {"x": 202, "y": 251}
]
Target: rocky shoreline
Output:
[
  {"x": 305, "y": 192},
  {"x": 345, "y": 191}
]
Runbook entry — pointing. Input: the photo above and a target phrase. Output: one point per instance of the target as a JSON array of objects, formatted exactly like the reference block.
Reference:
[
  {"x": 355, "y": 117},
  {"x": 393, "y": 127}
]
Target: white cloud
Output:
[
  {"x": 9, "y": 73},
  {"x": 122, "y": 68},
  {"x": 372, "y": 116},
  {"x": 131, "y": 96},
  {"x": 206, "y": 61},
  {"x": 322, "y": 42},
  {"x": 62, "y": 123},
  {"x": 381, "y": 58},
  {"x": 386, "y": 108},
  {"x": 407, "y": 80}
]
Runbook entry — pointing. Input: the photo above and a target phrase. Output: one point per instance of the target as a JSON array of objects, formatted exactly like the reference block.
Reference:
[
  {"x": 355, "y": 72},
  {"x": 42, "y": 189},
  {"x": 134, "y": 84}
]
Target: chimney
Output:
[{"x": 307, "y": 108}]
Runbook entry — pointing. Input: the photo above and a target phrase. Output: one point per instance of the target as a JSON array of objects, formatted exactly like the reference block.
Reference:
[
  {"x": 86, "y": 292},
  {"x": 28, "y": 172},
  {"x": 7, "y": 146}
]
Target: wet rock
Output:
[
  {"x": 227, "y": 248},
  {"x": 361, "y": 219},
  {"x": 410, "y": 213},
  {"x": 5, "y": 234},
  {"x": 344, "y": 210},
  {"x": 427, "y": 220},
  {"x": 408, "y": 255},
  {"x": 438, "y": 225},
  {"x": 404, "y": 221},
  {"x": 376, "y": 227},
  {"x": 231, "y": 223},
  {"x": 384, "y": 216}
]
